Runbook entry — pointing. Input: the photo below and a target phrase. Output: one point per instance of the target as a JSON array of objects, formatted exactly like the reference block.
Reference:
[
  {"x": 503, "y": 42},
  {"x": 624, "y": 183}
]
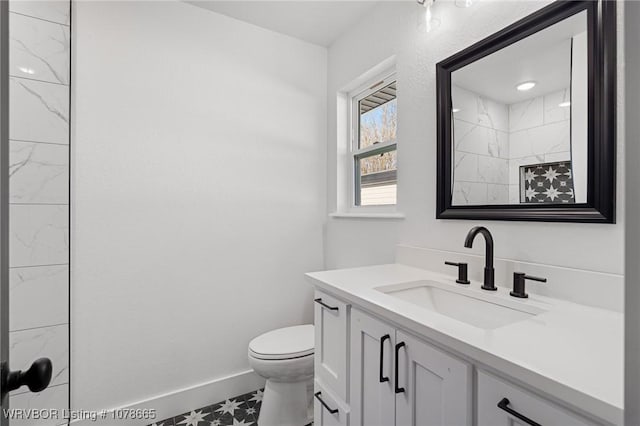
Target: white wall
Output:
[
  {"x": 198, "y": 187},
  {"x": 632, "y": 253},
  {"x": 358, "y": 242}
]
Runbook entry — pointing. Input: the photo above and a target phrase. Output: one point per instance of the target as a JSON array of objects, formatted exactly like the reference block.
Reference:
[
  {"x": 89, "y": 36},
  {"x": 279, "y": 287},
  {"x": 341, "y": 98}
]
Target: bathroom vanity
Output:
[
  {"x": 525, "y": 132},
  {"x": 400, "y": 345}
]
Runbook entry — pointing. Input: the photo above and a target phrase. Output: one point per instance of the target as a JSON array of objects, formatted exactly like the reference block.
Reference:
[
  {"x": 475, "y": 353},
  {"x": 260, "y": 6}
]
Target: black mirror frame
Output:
[{"x": 601, "y": 162}]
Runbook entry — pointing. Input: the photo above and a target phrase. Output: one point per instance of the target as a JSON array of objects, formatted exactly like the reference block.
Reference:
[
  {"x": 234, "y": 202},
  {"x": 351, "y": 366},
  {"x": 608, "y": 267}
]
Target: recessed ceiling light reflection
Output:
[
  {"x": 564, "y": 104},
  {"x": 455, "y": 110},
  {"x": 527, "y": 85},
  {"x": 26, "y": 70}
]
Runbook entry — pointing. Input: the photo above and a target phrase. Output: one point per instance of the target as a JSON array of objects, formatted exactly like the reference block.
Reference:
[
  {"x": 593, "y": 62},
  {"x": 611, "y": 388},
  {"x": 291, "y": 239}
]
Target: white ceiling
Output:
[
  {"x": 318, "y": 22},
  {"x": 544, "y": 57}
]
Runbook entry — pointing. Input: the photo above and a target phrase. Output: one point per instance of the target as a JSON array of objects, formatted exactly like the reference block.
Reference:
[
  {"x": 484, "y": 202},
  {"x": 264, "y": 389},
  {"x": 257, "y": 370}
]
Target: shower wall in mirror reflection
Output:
[{"x": 518, "y": 143}]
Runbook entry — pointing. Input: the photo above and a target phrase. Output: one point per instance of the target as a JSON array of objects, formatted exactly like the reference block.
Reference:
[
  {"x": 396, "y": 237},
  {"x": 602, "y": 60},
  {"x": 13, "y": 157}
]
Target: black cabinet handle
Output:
[
  {"x": 382, "y": 340},
  {"x": 398, "y": 346},
  {"x": 504, "y": 405},
  {"x": 324, "y": 404},
  {"x": 332, "y": 308}
]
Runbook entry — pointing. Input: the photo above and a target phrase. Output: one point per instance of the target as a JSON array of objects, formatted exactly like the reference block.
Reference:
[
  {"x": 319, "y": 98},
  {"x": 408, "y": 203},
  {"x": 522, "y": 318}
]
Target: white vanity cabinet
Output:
[
  {"x": 396, "y": 379},
  {"x": 370, "y": 373},
  {"x": 502, "y": 404}
]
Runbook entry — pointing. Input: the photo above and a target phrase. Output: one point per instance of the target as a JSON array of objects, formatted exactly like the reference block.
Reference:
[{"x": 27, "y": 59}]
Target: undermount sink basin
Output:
[{"x": 474, "y": 309}]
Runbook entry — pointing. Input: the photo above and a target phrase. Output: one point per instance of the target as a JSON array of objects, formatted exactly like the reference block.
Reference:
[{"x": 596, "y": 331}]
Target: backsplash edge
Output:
[{"x": 597, "y": 289}]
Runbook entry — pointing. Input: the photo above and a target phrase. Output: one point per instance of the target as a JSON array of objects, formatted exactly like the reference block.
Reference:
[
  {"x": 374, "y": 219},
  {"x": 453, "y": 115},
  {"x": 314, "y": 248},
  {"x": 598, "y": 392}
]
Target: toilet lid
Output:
[{"x": 284, "y": 343}]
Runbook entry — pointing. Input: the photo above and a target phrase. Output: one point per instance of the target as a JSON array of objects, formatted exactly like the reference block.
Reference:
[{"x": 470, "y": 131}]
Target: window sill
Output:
[{"x": 358, "y": 215}]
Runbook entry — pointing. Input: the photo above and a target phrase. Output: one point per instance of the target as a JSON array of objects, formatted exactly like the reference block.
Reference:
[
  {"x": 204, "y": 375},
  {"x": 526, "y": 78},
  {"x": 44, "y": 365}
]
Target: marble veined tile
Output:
[
  {"x": 469, "y": 193},
  {"x": 542, "y": 140},
  {"x": 464, "y": 105},
  {"x": 39, "y": 173},
  {"x": 51, "y": 10},
  {"x": 493, "y": 170},
  {"x": 41, "y": 289},
  {"x": 468, "y": 137},
  {"x": 39, "y": 235},
  {"x": 51, "y": 342},
  {"x": 465, "y": 167},
  {"x": 514, "y": 194},
  {"x": 499, "y": 144},
  {"x": 550, "y": 138},
  {"x": 526, "y": 114},
  {"x": 39, "y": 111},
  {"x": 552, "y": 110},
  {"x": 481, "y": 140},
  {"x": 497, "y": 194},
  {"x": 557, "y": 156},
  {"x": 54, "y": 398},
  {"x": 476, "y": 109},
  {"x": 493, "y": 114},
  {"x": 39, "y": 49}
]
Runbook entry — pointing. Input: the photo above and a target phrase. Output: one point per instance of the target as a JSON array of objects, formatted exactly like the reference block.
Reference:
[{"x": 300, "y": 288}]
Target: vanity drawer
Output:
[
  {"x": 331, "y": 346},
  {"x": 532, "y": 408},
  {"x": 327, "y": 409}
]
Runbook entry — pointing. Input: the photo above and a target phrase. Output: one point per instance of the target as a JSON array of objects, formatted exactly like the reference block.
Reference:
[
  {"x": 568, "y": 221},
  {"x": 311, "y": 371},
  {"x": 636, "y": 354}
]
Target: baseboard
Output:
[{"x": 182, "y": 400}]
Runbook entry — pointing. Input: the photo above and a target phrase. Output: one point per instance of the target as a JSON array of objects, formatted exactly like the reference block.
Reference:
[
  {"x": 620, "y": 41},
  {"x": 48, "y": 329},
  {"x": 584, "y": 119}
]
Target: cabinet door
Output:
[
  {"x": 371, "y": 399},
  {"x": 330, "y": 357},
  {"x": 434, "y": 388},
  {"x": 521, "y": 407}
]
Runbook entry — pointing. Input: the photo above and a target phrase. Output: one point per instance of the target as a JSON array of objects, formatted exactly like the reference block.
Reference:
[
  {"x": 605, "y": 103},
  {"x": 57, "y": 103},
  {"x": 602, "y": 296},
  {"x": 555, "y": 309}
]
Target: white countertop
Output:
[{"x": 571, "y": 352}]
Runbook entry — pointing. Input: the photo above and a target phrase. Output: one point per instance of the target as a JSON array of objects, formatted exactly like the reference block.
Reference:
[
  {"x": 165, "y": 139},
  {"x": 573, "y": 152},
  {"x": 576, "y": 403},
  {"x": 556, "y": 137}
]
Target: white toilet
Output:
[{"x": 285, "y": 358}]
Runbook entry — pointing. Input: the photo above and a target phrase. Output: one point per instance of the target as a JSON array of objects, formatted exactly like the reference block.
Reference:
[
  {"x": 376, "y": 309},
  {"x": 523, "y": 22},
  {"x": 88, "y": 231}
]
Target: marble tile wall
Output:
[
  {"x": 39, "y": 196},
  {"x": 539, "y": 132},
  {"x": 492, "y": 140},
  {"x": 481, "y": 154}
]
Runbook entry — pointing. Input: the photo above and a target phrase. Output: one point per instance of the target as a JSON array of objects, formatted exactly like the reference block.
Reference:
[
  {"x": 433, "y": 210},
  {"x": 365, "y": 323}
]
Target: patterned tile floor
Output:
[{"x": 239, "y": 411}]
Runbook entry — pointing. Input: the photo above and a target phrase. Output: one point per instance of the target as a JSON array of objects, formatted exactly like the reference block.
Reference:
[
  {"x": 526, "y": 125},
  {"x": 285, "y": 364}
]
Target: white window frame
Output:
[{"x": 372, "y": 86}]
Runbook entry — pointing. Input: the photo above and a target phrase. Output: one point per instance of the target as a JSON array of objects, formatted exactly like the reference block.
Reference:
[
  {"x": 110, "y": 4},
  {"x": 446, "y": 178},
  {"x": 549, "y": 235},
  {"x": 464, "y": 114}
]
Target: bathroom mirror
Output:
[{"x": 526, "y": 120}]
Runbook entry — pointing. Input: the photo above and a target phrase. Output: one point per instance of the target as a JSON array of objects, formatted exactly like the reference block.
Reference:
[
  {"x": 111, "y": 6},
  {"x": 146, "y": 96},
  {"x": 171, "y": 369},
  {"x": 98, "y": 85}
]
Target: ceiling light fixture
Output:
[
  {"x": 455, "y": 110},
  {"x": 464, "y": 3},
  {"x": 428, "y": 17},
  {"x": 527, "y": 85},
  {"x": 429, "y": 22},
  {"x": 564, "y": 104}
]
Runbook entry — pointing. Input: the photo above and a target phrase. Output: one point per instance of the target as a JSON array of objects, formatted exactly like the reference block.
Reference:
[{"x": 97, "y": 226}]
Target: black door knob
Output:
[{"x": 36, "y": 378}]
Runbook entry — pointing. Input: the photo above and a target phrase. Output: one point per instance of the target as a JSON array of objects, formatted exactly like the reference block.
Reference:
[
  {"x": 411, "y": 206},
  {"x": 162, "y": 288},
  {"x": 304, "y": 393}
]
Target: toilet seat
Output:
[{"x": 284, "y": 343}]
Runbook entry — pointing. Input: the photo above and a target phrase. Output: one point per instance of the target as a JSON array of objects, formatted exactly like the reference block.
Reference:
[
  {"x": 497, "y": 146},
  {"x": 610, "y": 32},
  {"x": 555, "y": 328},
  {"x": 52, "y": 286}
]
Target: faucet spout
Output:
[{"x": 489, "y": 271}]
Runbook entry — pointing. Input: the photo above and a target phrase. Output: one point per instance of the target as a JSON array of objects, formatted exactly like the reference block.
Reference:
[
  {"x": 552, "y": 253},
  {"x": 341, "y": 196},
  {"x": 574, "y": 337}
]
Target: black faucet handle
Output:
[
  {"x": 531, "y": 277},
  {"x": 462, "y": 272},
  {"x": 519, "y": 282}
]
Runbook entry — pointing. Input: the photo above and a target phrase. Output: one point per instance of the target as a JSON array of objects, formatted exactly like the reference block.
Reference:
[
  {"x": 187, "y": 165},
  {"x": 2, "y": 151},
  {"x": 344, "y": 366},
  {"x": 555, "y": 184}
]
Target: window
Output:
[{"x": 373, "y": 144}]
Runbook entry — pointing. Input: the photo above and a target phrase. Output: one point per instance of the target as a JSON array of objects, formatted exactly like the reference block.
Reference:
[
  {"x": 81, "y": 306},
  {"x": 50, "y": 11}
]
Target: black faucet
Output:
[{"x": 488, "y": 268}]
